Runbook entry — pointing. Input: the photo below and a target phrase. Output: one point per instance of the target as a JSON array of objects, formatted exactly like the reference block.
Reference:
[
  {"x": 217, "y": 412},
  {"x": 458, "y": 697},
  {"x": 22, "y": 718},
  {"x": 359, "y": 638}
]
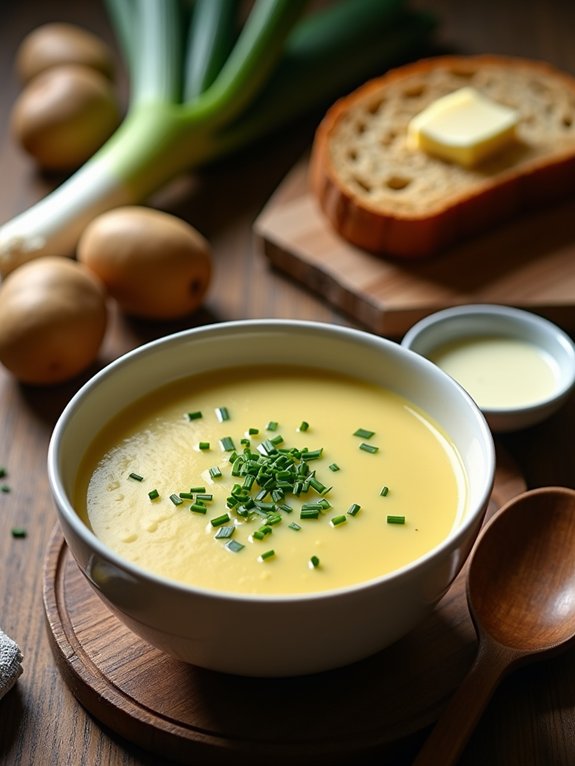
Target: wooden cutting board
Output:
[
  {"x": 529, "y": 263},
  {"x": 375, "y": 708}
]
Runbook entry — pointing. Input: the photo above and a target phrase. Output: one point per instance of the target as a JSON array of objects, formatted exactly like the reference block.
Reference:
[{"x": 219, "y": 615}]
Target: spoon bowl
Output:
[{"x": 521, "y": 596}]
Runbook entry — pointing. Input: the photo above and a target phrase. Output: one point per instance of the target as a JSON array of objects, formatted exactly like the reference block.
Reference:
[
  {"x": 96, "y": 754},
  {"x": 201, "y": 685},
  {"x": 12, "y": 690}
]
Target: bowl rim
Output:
[
  {"x": 532, "y": 323},
  {"x": 66, "y": 510}
]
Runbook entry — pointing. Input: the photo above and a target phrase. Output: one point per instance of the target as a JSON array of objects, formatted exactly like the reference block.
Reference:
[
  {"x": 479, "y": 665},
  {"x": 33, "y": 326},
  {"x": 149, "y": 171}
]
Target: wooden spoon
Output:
[{"x": 521, "y": 595}]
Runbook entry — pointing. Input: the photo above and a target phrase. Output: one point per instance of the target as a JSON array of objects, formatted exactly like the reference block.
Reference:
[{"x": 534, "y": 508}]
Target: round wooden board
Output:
[{"x": 182, "y": 713}]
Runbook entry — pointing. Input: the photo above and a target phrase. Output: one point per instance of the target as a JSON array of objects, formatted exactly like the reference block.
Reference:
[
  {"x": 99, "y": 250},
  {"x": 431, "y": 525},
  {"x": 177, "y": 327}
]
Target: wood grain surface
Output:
[{"x": 531, "y": 720}]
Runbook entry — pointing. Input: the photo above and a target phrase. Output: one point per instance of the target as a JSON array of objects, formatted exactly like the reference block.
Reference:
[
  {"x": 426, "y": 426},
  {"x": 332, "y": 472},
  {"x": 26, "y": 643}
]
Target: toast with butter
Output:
[{"x": 386, "y": 193}]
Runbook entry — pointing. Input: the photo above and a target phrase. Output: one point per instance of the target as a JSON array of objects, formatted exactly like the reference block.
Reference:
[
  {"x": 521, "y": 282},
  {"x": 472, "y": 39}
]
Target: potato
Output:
[
  {"x": 53, "y": 318},
  {"x": 154, "y": 264},
  {"x": 64, "y": 115},
  {"x": 59, "y": 43}
]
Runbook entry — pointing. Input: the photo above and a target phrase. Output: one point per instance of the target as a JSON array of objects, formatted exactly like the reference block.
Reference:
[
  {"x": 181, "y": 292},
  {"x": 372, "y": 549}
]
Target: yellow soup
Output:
[{"x": 272, "y": 481}]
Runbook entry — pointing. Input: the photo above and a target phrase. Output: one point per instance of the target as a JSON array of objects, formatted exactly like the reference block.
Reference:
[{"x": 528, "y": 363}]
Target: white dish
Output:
[
  {"x": 472, "y": 323},
  {"x": 305, "y": 633}
]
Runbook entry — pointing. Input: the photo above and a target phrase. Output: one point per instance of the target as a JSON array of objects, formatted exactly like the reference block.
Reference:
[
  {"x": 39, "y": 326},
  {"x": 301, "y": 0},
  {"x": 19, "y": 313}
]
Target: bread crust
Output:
[{"x": 536, "y": 173}]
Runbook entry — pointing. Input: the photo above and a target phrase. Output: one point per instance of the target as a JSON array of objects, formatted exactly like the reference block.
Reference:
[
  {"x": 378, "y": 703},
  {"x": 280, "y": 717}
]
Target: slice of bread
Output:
[{"x": 385, "y": 197}]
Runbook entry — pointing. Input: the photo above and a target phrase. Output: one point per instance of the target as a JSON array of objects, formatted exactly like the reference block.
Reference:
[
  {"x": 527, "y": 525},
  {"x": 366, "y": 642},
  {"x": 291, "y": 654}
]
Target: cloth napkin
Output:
[{"x": 10, "y": 663}]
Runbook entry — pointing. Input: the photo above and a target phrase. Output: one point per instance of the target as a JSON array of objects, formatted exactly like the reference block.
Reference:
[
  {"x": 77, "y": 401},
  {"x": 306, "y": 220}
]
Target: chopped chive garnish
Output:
[
  {"x": 215, "y": 472},
  {"x": 311, "y": 454},
  {"x": 4, "y": 488},
  {"x": 186, "y": 495},
  {"x": 384, "y": 491},
  {"x": 222, "y": 414},
  {"x": 203, "y": 497},
  {"x": 3, "y": 472},
  {"x": 314, "y": 562},
  {"x": 198, "y": 508},
  {"x": 204, "y": 445},
  {"x": 225, "y": 532},
  {"x": 197, "y": 489},
  {"x": 294, "y": 525},
  {"x": 303, "y": 426},
  {"x": 227, "y": 444},
  {"x": 318, "y": 486},
  {"x": 19, "y": 532},
  {"x": 309, "y": 513},
  {"x": 176, "y": 499},
  {"x": 219, "y": 520},
  {"x": 396, "y": 519},
  {"x": 136, "y": 477},
  {"x": 354, "y": 509},
  {"x": 363, "y": 433},
  {"x": 267, "y": 555},
  {"x": 334, "y": 467},
  {"x": 337, "y": 520},
  {"x": 277, "y": 440},
  {"x": 234, "y": 546},
  {"x": 368, "y": 448},
  {"x": 253, "y": 431},
  {"x": 194, "y": 415},
  {"x": 285, "y": 507},
  {"x": 153, "y": 494},
  {"x": 260, "y": 533},
  {"x": 272, "y": 425}
]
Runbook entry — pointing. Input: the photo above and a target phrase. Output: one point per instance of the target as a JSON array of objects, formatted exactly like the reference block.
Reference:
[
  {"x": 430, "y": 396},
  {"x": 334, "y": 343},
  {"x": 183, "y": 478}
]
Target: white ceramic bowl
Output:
[
  {"x": 472, "y": 321},
  {"x": 195, "y": 624}
]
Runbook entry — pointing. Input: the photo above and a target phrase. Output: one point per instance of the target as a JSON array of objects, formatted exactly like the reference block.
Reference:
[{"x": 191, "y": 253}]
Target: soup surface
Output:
[{"x": 272, "y": 481}]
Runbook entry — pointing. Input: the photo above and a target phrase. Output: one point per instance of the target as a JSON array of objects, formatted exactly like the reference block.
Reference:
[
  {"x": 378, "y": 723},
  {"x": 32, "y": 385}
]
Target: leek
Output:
[{"x": 197, "y": 94}]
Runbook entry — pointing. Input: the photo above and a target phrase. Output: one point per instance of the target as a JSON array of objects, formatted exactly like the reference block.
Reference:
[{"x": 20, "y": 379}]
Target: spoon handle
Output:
[{"x": 457, "y": 721}]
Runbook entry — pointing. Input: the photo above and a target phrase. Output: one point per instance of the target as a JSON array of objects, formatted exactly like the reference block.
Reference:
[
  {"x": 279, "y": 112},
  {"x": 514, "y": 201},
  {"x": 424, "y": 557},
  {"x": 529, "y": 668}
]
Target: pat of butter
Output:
[{"x": 464, "y": 126}]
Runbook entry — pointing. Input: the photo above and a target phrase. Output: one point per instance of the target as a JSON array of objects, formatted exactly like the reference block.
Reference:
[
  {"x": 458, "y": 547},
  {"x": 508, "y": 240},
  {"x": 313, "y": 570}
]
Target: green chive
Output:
[
  {"x": 396, "y": 519},
  {"x": 186, "y": 495},
  {"x": 253, "y": 431},
  {"x": 219, "y": 520},
  {"x": 234, "y": 546},
  {"x": 334, "y": 467},
  {"x": 176, "y": 499},
  {"x": 198, "y": 508},
  {"x": 314, "y": 562},
  {"x": 267, "y": 555},
  {"x": 215, "y": 472},
  {"x": 225, "y": 532},
  {"x": 5, "y": 488},
  {"x": 227, "y": 444},
  {"x": 3, "y": 472},
  {"x": 19, "y": 532},
  {"x": 272, "y": 425},
  {"x": 384, "y": 491},
  {"x": 136, "y": 477},
  {"x": 363, "y": 433},
  {"x": 204, "y": 497},
  {"x": 277, "y": 440},
  {"x": 153, "y": 494},
  {"x": 368, "y": 448},
  {"x": 309, "y": 513},
  {"x": 354, "y": 509},
  {"x": 337, "y": 520},
  {"x": 294, "y": 525},
  {"x": 194, "y": 415},
  {"x": 303, "y": 426},
  {"x": 311, "y": 454},
  {"x": 204, "y": 445},
  {"x": 197, "y": 489},
  {"x": 222, "y": 414}
]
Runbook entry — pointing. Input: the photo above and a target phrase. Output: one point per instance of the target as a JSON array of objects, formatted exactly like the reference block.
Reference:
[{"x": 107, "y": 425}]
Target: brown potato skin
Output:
[
  {"x": 53, "y": 319},
  {"x": 154, "y": 264},
  {"x": 57, "y": 43},
  {"x": 64, "y": 115}
]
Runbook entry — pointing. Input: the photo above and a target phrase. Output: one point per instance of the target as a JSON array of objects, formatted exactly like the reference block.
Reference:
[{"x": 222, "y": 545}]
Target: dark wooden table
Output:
[{"x": 531, "y": 719}]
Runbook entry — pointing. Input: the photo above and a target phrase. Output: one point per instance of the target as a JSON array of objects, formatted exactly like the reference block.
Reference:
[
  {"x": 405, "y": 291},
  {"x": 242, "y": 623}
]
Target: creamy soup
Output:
[
  {"x": 498, "y": 371},
  {"x": 272, "y": 481}
]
